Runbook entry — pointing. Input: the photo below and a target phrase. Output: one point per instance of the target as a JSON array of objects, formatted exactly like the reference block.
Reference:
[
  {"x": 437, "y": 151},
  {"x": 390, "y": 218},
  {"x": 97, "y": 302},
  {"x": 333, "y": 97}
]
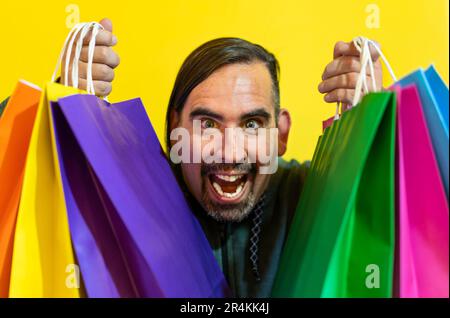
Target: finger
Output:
[
  {"x": 102, "y": 55},
  {"x": 345, "y": 107},
  {"x": 341, "y": 95},
  {"x": 101, "y": 88},
  {"x": 349, "y": 49},
  {"x": 100, "y": 72},
  {"x": 103, "y": 38},
  {"x": 347, "y": 81},
  {"x": 343, "y": 65},
  {"x": 107, "y": 24}
]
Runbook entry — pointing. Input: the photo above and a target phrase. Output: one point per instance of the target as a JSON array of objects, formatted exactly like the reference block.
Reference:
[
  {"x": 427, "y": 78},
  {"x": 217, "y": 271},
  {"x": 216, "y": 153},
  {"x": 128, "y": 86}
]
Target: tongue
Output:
[{"x": 227, "y": 186}]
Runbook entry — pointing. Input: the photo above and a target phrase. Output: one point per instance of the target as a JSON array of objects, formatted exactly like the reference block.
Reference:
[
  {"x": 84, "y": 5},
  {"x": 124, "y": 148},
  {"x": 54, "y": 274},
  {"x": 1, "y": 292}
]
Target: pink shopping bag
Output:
[{"x": 423, "y": 210}]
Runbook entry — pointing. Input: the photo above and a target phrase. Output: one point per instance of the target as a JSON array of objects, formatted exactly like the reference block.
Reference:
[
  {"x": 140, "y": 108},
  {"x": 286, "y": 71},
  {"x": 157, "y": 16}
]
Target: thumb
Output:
[{"x": 107, "y": 24}]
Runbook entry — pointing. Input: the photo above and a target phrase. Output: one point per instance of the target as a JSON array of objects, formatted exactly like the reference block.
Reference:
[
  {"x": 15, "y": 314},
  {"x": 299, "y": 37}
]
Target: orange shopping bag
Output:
[{"x": 16, "y": 125}]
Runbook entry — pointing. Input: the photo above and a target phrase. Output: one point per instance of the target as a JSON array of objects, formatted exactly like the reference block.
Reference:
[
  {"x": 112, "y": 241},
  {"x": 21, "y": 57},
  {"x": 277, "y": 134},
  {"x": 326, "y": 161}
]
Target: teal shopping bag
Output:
[{"x": 440, "y": 92}]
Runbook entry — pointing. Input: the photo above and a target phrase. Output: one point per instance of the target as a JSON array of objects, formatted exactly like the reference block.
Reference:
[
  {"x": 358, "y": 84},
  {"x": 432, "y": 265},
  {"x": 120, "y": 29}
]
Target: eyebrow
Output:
[
  {"x": 260, "y": 112},
  {"x": 201, "y": 111}
]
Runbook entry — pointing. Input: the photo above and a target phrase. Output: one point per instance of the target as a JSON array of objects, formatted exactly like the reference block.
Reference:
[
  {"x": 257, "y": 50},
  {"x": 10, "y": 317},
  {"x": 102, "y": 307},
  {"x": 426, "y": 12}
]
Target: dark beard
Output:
[{"x": 227, "y": 212}]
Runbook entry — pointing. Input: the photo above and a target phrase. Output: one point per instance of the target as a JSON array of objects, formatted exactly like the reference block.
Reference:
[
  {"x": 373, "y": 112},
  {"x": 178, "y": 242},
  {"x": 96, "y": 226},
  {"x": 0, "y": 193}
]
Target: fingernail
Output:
[{"x": 114, "y": 40}]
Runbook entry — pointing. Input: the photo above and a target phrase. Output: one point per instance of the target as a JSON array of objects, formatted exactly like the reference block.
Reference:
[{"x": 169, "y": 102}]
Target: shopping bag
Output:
[
  {"x": 132, "y": 229},
  {"x": 440, "y": 92},
  {"x": 423, "y": 210},
  {"x": 435, "y": 117},
  {"x": 105, "y": 272},
  {"x": 43, "y": 263},
  {"x": 341, "y": 241},
  {"x": 16, "y": 125}
]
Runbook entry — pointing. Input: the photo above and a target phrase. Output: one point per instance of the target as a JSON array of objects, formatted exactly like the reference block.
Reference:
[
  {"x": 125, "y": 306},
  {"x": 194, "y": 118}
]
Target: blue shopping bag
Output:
[{"x": 439, "y": 90}]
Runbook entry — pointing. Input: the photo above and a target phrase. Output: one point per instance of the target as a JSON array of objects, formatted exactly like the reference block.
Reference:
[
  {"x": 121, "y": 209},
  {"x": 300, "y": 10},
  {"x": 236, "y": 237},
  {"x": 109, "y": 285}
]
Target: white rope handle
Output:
[
  {"x": 66, "y": 42},
  {"x": 77, "y": 54},
  {"x": 69, "y": 52},
  {"x": 84, "y": 28},
  {"x": 90, "y": 82},
  {"x": 362, "y": 44}
]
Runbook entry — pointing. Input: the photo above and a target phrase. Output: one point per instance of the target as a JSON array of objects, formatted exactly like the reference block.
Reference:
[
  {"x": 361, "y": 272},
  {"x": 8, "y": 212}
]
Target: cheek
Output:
[{"x": 263, "y": 148}]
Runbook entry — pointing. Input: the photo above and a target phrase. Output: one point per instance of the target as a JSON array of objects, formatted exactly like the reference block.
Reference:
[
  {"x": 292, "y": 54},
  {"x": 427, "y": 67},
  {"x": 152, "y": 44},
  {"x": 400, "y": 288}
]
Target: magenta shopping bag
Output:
[
  {"x": 423, "y": 210},
  {"x": 132, "y": 230}
]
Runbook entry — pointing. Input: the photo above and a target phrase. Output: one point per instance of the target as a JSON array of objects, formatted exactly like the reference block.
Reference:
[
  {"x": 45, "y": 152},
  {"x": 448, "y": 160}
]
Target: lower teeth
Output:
[{"x": 226, "y": 194}]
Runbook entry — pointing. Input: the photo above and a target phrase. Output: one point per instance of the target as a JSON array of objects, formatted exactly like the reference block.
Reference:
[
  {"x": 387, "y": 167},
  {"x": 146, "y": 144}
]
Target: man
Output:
[{"x": 231, "y": 83}]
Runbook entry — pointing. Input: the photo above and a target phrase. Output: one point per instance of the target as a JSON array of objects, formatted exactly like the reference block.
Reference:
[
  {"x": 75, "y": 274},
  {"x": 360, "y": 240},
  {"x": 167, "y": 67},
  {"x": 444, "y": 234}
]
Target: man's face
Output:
[{"x": 234, "y": 96}]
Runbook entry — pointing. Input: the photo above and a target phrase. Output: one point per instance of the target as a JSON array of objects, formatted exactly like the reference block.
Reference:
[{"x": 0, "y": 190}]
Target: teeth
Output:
[
  {"x": 218, "y": 188},
  {"x": 228, "y": 178},
  {"x": 226, "y": 194}
]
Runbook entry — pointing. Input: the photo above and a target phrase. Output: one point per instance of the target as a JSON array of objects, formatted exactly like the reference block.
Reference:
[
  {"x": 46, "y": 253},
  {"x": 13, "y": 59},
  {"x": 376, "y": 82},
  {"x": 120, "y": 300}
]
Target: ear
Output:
[
  {"x": 284, "y": 125},
  {"x": 174, "y": 121}
]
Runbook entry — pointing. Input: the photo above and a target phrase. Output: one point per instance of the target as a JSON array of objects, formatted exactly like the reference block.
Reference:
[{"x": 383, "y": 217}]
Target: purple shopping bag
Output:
[
  {"x": 132, "y": 230},
  {"x": 423, "y": 210}
]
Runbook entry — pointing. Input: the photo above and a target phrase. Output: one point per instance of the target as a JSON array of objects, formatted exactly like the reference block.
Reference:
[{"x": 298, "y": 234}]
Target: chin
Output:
[{"x": 228, "y": 208}]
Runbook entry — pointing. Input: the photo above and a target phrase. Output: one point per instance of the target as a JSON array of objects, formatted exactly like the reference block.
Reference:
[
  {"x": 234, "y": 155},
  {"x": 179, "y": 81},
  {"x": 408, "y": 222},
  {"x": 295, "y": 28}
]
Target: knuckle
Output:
[
  {"x": 116, "y": 59},
  {"x": 111, "y": 75},
  {"x": 349, "y": 95},
  {"x": 82, "y": 70},
  {"x": 108, "y": 73},
  {"x": 103, "y": 53},
  {"x": 106, "y": 36},
  {"x": 108, "y": 89},
  {"x": 326, "y": 71},
  {"x": 103, "y": 71},
  {"x": 353, "y": 64},
  {"x": 102, "y": 88},
  {"x": 328, "y": 68},
  {"x": 338, "y": 45},
  {"x": 352, "y": 79},
  {"x": 344, "y": 80}
]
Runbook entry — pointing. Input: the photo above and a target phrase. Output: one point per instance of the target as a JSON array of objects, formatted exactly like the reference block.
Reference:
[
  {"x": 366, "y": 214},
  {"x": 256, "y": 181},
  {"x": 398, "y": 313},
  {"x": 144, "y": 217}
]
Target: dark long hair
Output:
[{"x": 209, "y": 57}]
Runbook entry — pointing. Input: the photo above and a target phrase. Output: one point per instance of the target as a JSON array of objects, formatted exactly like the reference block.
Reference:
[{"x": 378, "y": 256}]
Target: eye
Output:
[
  {"x": 208, "y": 123},
  {"x": 252, "y": 124}
]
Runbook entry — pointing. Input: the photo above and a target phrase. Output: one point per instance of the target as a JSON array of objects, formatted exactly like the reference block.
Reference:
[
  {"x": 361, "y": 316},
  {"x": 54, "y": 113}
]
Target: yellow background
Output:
[{"x": 156, "y": 36}]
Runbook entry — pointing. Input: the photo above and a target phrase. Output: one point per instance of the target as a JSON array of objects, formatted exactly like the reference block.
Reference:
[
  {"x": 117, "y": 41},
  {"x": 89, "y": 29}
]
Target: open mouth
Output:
[{"x": 228, "y": 187}]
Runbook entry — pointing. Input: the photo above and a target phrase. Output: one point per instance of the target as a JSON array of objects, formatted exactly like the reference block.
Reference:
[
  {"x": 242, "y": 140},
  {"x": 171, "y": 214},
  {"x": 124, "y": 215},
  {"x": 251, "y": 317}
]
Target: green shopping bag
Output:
[{"x": 341, "y": 241}]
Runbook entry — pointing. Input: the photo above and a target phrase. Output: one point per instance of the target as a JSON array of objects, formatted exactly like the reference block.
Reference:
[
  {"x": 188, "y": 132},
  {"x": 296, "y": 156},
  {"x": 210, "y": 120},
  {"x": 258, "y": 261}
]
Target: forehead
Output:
[{"x": 234, "y": 89}]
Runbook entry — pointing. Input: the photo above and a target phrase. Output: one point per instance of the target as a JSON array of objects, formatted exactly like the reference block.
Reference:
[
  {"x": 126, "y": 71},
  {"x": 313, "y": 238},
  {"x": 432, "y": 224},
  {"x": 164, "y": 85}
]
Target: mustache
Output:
[{"x": 207, "y": 169}]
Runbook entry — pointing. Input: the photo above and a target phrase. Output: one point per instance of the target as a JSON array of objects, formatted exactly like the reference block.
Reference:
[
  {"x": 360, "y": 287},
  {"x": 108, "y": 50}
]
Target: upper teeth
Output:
[{"x": 228, "y": 178}]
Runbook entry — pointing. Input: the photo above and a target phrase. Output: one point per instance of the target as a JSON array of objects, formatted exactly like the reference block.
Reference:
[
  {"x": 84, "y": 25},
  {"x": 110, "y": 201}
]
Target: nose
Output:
[{"x": 234, "y": 150}]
